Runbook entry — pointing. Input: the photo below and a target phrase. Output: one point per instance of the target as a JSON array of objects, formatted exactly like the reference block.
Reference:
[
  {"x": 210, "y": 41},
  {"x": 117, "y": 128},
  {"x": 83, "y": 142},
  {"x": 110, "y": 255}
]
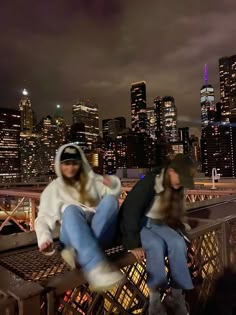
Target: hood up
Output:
[{"x": 86, "y": 166}]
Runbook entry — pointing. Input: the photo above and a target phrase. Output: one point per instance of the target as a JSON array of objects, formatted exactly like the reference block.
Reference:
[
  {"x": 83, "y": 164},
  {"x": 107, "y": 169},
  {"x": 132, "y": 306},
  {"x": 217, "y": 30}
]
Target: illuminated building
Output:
[
  {"x": 29, "y": 148},
  {"x": 138, "y": 107},
  {"x": 176, "y": 148},
  {"x": 27, "y": 120},
  {"x": 52, "y": 136},
  {"x": 84, "y": 112},
  {"x": 227, "y": 71},
  {"x": 134, "y": 151},
  {"x": 207, "y": 96},
  {"x": 170, "y": 119},
  {"x": 158, "y": 105},
  {"x": 217, "y": 149},
  {"x": 112, "y": 127},
  {"x": 195, "y": 151},
  {"x": 77, "y": 135},
  {"x": 184, "y": 139},
  {"x": 10, "y": 126},
  {"x": 151, "y": 122},
  {"x": 109, "y": 158}
]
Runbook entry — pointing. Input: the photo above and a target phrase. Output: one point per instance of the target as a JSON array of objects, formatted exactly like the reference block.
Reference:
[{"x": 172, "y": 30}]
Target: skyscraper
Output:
[
  {"x": 133, "y": 151},
  {"x": 111, "y": 127},
  {"x": 77, "y": 135},
  {"x": 184, "y": 139},
  {"x": 217, "y": 149},
  {"x": 51, "y": 137},
  {"x": 10, "y": 125},
  {"x": 227, "y": 70},
  {"x": 194, "y": 150},
  {"x": 158, "y": 105},
  {"x": 26, "y": 113},
  {"x": 151, "y": 122},
  {"x": 29, "y": 148},
  {"x": 170, "y": 119},
  {"x": 207, "y": 97},
  {"x": 87, "y": 113},
  {"x": 138, "y": 107}
]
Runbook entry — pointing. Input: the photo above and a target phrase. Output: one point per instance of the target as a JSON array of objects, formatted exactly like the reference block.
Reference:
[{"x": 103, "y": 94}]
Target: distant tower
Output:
[
  {"x": 85, "y": 112},
  {"x": 26, "y": 113},
  {"x": 138, "y": 107},
  {"x": 170, "y": 119},
  {"x": 207, "y": 95},
  {"x": 9, "y": 145},
  {"x": 227, "y": 71}
]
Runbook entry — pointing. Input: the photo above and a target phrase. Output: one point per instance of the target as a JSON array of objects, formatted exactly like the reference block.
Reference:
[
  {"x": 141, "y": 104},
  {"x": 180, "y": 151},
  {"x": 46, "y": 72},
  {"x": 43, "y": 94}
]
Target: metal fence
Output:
[
  {"x": 20, "y": 206},
  {"x": 30, "y": 280}
]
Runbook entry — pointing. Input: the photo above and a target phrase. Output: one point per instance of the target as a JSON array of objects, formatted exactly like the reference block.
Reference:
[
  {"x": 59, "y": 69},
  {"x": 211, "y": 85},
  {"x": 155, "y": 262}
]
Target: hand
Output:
[
  {"x": 47, "y": 248},
  {"x": 139, "y": 253},
  {"x": 107, "y": 181}
]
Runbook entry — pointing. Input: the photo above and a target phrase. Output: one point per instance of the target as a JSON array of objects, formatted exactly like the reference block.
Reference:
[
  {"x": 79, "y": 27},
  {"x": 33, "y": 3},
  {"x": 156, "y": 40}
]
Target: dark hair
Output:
[{"x": 171, "y": 203}]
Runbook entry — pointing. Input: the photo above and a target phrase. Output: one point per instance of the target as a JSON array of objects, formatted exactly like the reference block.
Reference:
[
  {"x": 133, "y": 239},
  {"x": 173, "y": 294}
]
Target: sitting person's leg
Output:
[
  {"x": 77, "y": 235},
  {"x": 104, "y": 221},
  {"x": 177, "y": 259},
  {"x": 155, "y": 250}
]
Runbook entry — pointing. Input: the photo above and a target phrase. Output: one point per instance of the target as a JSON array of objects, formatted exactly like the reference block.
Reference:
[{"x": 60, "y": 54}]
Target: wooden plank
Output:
[
  {"x": 17, "y": 287},
  {"x": 17, "y": 240},
  {"x": 75, "y": 278}
]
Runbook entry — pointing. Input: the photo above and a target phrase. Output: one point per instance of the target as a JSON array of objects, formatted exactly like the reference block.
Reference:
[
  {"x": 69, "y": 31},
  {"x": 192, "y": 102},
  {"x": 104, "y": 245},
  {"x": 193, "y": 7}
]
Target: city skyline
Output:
[{"x": 93, "y": 49}]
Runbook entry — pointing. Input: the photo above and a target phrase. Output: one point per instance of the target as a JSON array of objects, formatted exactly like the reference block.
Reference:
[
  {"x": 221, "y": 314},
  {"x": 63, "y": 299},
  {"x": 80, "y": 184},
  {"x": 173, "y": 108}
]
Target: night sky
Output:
[{"x": 68, "y": 49}]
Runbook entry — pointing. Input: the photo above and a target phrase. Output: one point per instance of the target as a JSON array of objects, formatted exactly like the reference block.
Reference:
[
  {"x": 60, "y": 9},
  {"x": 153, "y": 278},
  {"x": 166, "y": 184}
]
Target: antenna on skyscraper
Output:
[{"x": 206, "y": 74}]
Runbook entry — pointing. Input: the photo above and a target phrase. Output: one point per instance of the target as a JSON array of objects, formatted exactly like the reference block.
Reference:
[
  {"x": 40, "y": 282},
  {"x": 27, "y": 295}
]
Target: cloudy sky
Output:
[{"x": 62, "y": 50}]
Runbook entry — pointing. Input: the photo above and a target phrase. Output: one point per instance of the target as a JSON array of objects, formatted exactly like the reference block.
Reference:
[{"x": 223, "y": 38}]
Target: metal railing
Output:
[
  {"x": 48, "y": 287},
  {"x": 21, "y": 206}
]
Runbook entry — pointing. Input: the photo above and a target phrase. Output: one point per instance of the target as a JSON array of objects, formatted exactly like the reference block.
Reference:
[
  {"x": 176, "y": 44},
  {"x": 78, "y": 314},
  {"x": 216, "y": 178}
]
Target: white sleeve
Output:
[
  {"x": 47, "y": 216},
  {"x": 114, "y": 189}
]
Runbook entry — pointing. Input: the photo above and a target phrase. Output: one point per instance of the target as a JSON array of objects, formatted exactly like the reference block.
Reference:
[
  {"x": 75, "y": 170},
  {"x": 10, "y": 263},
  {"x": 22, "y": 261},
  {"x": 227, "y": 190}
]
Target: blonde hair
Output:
[{"x": 82, "y": 178}]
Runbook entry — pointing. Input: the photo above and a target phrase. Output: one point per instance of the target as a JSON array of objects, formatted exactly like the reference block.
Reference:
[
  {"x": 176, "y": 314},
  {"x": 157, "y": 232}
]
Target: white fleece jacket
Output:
[{"x": 57, "y": 195}]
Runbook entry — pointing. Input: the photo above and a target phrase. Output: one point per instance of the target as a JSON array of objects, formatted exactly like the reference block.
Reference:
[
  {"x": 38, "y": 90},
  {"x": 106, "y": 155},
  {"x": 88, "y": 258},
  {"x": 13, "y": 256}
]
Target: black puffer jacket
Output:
[{"x": 133, "y": 210}]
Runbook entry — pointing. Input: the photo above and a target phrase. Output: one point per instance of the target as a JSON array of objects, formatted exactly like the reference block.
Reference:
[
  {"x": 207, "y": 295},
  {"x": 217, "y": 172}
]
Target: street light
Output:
[{"x": 215, "y": 176}]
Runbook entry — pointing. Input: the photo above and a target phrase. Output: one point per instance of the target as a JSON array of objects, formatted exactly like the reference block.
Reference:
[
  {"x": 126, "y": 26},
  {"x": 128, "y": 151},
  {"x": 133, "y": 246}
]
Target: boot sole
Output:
[
  {"x": 69, "y": 258},
  {"x": 98, "y": 288}
]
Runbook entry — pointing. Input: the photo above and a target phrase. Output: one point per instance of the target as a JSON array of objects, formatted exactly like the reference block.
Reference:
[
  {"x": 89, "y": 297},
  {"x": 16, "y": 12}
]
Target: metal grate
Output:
[
  {"x": 130, "y": 298},
  {"x": 208, "y": 249},
  {"x": 31, "y": 265}
]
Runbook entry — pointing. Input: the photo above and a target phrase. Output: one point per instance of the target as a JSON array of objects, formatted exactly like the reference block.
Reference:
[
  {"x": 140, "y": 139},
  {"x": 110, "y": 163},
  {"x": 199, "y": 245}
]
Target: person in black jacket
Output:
[{"x": 151, "y": 224}]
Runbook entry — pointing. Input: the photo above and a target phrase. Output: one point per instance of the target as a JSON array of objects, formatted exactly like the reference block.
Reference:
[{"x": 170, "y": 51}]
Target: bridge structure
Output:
[{"x": 32, "y": 283}]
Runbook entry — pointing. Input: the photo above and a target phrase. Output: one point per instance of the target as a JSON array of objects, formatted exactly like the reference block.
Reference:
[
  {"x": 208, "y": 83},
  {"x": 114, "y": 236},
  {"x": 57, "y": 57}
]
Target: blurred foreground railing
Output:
[
  {"x": 20, "y": 206},
  {"x": 31, "y": 281}
]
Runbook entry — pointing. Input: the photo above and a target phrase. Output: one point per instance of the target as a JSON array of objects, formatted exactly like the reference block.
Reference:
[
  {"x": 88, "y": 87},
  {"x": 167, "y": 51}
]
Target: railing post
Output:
[
  {"x": 225, "y": 243},
  {"x": 51, "y": 303},
  {"x": 32, "y": 213}
]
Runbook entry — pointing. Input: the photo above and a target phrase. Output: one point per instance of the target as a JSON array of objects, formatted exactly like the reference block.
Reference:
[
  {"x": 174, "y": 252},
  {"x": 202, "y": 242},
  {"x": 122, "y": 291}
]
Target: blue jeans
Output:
[
  {"x": 89, "y": 234},
  {"x": 160, "y": 241}
]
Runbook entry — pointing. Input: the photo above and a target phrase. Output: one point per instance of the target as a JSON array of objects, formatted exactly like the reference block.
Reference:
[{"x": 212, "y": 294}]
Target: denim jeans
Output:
[
  {"x": 159, "y": 242},
  {"x": 89, "y": 235}
]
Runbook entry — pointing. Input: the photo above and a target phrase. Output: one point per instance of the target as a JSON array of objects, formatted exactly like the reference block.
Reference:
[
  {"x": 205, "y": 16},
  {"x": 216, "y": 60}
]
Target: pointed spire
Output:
[{"x": 206, "y": 74}]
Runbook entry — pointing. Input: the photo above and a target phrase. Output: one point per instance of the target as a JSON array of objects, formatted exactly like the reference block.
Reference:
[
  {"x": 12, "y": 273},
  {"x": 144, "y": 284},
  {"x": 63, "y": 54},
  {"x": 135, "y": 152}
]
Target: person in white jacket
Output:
[{"x": 86, "y": 206}]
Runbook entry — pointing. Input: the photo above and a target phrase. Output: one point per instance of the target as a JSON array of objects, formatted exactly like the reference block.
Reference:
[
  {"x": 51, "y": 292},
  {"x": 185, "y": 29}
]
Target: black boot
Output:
[
  {"x": 155, "y": 305},
  {"x": 176, "y": 303}
]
